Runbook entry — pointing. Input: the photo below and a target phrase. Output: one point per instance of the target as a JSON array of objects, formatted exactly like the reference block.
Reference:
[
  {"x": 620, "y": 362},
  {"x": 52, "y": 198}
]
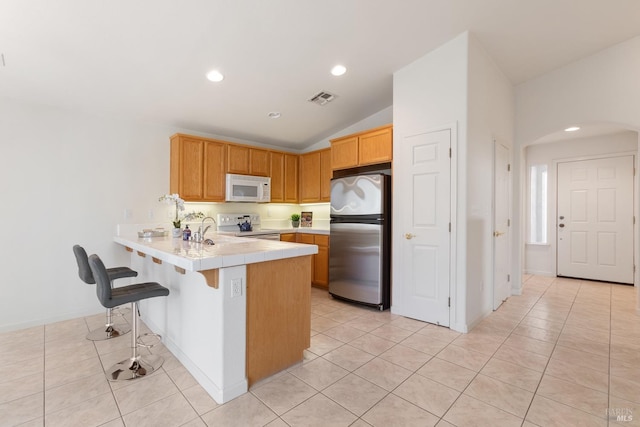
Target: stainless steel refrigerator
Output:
[{"x": 359, "y": 254}]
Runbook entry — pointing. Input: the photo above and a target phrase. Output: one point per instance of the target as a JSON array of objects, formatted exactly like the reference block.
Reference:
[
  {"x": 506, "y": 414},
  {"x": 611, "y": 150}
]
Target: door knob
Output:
[
  {"x": 497, "y": 233},
  {"x": 561, "y": 225},
  {"x": 409, "y": 236}
]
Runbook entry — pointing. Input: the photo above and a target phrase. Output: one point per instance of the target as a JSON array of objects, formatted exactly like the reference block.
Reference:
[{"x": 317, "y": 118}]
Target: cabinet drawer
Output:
[
  {"x": 321, "y": 240},
  {"x": 305, "y": 238}
]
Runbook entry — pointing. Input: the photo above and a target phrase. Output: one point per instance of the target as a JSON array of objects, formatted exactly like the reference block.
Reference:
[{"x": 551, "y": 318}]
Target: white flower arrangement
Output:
[{"x": 172, "y": 199}]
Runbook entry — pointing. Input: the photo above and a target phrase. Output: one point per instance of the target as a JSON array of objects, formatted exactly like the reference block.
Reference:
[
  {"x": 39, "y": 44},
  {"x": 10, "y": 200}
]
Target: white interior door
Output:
[
  {"x": 424, "y": 214},
  {"x": 595, "y": 219},
  {"x": 501, "y": 225}
]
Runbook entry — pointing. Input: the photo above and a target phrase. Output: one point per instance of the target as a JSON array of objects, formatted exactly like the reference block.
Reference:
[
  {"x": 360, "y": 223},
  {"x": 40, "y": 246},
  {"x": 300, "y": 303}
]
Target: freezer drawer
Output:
[{"x": 355, "y": 262}]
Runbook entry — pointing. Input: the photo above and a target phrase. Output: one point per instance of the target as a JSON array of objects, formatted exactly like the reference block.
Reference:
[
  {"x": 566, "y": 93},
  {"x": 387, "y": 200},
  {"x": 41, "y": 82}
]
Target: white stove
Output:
[{"x": 228, "y": 223}]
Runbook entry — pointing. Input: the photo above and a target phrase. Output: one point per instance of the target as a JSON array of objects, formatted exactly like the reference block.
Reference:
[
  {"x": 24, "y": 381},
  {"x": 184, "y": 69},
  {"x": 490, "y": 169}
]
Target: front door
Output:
[
  {"x": 422, "y": 206},
  {"x": 595, "y": 219},
  {"x": 501, "y": 225}
]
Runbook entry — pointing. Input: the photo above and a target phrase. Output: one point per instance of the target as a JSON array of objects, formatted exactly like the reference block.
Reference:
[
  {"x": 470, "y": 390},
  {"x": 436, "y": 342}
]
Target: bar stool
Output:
[
  {"x": 136, "y": 366},
  {"x": 110, "y": 330}
]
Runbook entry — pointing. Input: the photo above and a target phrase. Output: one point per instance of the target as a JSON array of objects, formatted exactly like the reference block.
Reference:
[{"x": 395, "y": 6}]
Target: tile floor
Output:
[{"x": 561, "y": 354}]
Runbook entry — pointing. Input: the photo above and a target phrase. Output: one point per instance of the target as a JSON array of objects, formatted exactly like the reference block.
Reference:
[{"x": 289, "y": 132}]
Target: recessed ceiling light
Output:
[
  {"x": 274, "y": 115},
  {"x": 572, "y": 129},
  {"x": 215, "y": 76},
  {"x": 338, "y": 70}
]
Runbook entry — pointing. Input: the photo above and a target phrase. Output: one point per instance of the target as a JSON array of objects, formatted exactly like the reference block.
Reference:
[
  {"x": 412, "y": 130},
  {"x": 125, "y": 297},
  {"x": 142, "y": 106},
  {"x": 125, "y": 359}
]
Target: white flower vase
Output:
[{"x": 176, "y": 232}]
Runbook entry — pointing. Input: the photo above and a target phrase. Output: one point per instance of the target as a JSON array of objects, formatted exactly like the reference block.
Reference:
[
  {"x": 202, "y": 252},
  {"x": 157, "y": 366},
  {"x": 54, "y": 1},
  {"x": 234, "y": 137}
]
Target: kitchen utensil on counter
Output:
[{"x": 244, "y": 222}]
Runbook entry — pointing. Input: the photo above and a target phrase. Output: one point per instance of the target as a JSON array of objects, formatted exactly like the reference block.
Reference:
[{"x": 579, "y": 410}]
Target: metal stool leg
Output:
[{"x": 136, "y": 366}]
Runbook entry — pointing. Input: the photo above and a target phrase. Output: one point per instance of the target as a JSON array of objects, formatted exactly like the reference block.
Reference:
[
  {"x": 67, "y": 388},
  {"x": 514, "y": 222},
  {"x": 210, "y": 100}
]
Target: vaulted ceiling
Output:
[{"x": 147, "y": 59}]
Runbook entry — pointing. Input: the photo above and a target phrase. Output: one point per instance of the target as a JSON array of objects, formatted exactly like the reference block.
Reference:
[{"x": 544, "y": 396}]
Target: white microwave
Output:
[{"x": 247, "y": 188}]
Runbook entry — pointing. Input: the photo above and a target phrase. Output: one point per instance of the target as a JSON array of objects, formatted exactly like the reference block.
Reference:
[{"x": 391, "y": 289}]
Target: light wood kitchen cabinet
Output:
[
  {"x": 320, "y": 261},
  {"x": 284, "y": 177},
  {"x": 290, "y": 178},
  {"x": 197, "y": 169},
  {"x": 288, "y": 237},
  {"x": 365, "y": 148},
  {"x": 245, "y": 160},
  {"x": 315, "y": 176}
]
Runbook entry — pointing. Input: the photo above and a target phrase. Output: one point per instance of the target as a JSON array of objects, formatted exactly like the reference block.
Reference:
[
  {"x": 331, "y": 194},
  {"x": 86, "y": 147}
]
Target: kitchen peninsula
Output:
[{"x": 238, "y": 310}]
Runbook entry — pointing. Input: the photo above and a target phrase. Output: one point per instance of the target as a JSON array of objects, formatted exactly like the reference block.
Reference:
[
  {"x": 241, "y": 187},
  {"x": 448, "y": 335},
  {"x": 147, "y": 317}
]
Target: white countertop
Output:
[{"x": 227, "y": 251}]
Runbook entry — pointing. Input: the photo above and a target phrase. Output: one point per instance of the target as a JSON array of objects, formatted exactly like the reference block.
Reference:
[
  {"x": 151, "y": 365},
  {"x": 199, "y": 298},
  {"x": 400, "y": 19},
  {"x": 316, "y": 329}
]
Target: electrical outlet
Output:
[{"x": 236, "y": 288}]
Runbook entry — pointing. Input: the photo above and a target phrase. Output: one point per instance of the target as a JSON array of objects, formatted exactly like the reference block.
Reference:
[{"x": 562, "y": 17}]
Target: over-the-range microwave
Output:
[{"x": 247, "y": 188}]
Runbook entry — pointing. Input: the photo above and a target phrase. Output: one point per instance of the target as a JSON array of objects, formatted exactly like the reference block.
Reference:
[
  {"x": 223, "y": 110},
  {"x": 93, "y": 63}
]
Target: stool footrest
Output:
[{"x": 149, "y": 340}]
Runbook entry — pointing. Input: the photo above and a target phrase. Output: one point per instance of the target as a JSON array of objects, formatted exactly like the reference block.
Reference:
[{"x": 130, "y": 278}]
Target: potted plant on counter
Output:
[
  {"x": 295, "y": 220},
  {"x": 177, "y": 221}
]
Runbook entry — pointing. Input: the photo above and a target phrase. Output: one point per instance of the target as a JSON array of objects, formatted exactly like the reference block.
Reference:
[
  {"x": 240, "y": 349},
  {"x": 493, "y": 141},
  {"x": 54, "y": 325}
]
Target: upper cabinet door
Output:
[
  {"x": 375, "y": 147},
  {"x": 238, "y": 159},
  {"x": 214, "y": 171},
  {"x": 310, "y": 177},
  {"x": 344, "y": 153},
  {"x": 326, "y": 174},
  {"x": 291, "y": 178},
  {"x": 259, "y": 162},
  {"x": 187, "y": 158},
  {"x": 277, "y": 177}
]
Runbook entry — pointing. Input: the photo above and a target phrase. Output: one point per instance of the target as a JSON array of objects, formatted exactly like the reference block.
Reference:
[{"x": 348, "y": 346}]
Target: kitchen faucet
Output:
[{"x": 199, "y": 235}]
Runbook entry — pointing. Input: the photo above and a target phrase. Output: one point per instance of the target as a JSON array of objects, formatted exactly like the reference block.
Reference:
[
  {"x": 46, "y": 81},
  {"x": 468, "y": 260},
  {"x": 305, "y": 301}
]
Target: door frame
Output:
[
  {"x": 552, "y": 213},
  {"x": 509, "y": 203},
  {"x": 454, "y": 322}
]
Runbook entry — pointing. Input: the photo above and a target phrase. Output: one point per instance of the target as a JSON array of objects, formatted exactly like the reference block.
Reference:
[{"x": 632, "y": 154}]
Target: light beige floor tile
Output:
[
  {"x": 372, "y": 344},
  {"x": 364, "y": 324},
  {"x": 344, "y": 315},
  {"x": 144, "y": 391},
  {"x": 470, "y": 412},
  {"x": 383, "y": 373},
  {"x": 409, "y": 324},
  {"x": 27, "y": 335},
  {"x": 598, "y": 336},
  {"x": 322, "y": 344},
  {"x": 581, "y": 358},
  {"x": 548, "y": 413},
  {"x": 537, "y": 333},
  {"x": 355, "y": 394},
  {"x": 443, "y": 423},
  {"x": 246, "y": 410},
  {"x": 469, "y": 359},
  {"x": 626, "y": 388},
  {"x": 15, "y": 352},
  {"x": 92, "y": 412},
  {"x": 522, "y": 357},
  {"x": 622, "y": 412},
  {"x": 277, "y": 423},
  {"x": 625, "y": 351},
  {"x": 21, "y": 387},
  {"x": 425, "y": 343},
  {"x": 173, "y": 410},
  {"x": 322, "y": 323},
  {"x": 283, "y": 393},
  {"x": 574, "y": 395},
  {"x": 478, "y": 342},
  {"x": 584, "y": 345},
  {"x": 39, "y": 422},
  {"x": 501, "y": 395},
  {"x": 530, "y": 344},
  {"x": 344, "y": 333},
  {"x": 199, "y": 399},
  {"x": 620, "y": 368},
  {"x": 73, "y": 328},
  {"x": 447, "y": 373},
  {"x": 181, "y": 377},
  {"x": 392, "y": 333},
  {"x": 571, "y": 372},
  {"x": 319, "y": 373},
  {"x": 319, "y": 411},
  {"x": 349, "y": 358},
  {"x": 393, "y": 411},
  {"x": 427, "y": 394},
  {"x": 196, "y": 422},
  {"x": 439, "y": 332},
  {"x": 63, "y": 355},
  {"x": 406, "y": 357},
  {"x": 537, "y": 322},
  {"x": 71, "y": 371},
  {"x": 13, "y": 371},
  {"x": 75, "y": 392},
  {"x": 510, "y": 373},
  {"x": 22, "y": 410}
]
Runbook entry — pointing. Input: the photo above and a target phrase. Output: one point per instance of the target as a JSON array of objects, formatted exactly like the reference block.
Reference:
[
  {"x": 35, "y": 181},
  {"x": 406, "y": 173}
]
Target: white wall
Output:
[
  {"x": 600, "y": 88},
  {"x": 491, "y": 116},
  {"x": 429, "y": 94},
  {"x": 541, "y": 258}
]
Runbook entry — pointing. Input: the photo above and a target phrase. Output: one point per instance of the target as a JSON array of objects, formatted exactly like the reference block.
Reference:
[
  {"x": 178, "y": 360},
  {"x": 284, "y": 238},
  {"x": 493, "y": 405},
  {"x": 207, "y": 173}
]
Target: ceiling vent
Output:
[{"x": 322, "y": 98}]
